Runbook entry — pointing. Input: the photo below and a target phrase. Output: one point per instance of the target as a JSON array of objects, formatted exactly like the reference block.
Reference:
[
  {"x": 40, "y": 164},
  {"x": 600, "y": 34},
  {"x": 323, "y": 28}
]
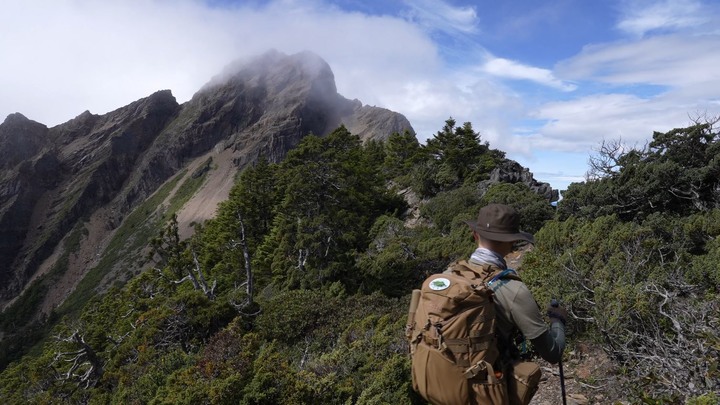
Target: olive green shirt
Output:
[{"x": 517, "y": 309}]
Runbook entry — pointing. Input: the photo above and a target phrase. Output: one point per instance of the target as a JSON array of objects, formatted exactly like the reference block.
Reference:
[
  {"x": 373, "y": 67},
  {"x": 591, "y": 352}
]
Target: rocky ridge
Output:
[{"x": 512, "y": 172}]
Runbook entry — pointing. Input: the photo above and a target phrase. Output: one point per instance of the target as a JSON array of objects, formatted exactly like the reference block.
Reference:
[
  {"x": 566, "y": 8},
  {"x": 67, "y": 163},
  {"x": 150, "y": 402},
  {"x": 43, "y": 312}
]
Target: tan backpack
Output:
[{"x": 453, "y": 346}]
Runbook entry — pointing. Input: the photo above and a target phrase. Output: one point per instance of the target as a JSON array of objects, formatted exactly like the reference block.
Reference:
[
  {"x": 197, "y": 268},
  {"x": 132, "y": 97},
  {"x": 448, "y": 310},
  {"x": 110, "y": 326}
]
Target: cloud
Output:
[
  {"x": 582, "y": 124},
  {"x": 67, "y": 56},
  {"x": 557, "y": 168},
  {"x": 463, "y": 95},
  {"x": 438, "y": 15},
  {"x": 669, "y": 60},
  {"x": 633, "y": 87},
  {"x": 514, "y": 70},
  {"x": 642, "y": 17}
]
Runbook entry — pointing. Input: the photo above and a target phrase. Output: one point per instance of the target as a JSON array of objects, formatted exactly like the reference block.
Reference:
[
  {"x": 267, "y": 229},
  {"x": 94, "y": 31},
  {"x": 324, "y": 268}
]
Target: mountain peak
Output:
[
  {"x": 20, "y": 139},
  {"x": 277, "y": 70},
  {"x": 14, "y": 118}
]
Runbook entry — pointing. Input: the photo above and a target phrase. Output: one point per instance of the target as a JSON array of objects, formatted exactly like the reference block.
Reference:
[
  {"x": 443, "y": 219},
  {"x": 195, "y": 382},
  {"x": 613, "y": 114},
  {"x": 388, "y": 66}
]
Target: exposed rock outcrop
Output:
[{"x": 511, "y": 171}]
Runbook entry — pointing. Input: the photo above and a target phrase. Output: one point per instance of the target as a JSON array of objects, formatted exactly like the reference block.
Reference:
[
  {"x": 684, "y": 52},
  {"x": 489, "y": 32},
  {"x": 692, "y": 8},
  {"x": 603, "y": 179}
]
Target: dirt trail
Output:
[{"x": 588, "y": 378}]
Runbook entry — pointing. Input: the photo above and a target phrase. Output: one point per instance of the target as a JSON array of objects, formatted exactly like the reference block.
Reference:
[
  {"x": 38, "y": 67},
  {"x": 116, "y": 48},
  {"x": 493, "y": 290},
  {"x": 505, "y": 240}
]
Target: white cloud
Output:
[
  {"x": 670, "y": 60},
  {"x": 559, "y": 168},
  {"x": 465, "y": 96},
  {"x": 678, "y": 67},
  {"x": 514, "y": 70},
  {"x": 67, "y": 56},
  {"x": 582, "y": 124},
  {"x": 438, "y": 15},
  {"x": 642, "y": 17}
]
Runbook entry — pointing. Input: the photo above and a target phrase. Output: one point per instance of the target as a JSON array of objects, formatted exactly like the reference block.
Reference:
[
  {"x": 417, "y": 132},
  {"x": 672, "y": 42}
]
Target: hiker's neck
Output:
[{"x": 501, "y": 248}]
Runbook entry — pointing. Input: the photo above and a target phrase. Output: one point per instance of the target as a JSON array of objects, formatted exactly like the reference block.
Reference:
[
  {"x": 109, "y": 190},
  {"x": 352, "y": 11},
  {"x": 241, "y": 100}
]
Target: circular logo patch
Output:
[{"x": 439, "y": 284}]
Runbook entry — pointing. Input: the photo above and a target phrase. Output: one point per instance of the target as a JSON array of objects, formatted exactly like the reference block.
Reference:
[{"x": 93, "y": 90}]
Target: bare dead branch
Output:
[
  {"x": 248, "y": 283},
  {"x": 86, "y": 368},
  {"x": 606, "y": 163}
]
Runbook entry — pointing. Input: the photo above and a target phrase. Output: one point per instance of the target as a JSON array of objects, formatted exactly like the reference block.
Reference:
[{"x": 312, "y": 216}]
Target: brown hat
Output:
[{"x": 500, "y": 223}]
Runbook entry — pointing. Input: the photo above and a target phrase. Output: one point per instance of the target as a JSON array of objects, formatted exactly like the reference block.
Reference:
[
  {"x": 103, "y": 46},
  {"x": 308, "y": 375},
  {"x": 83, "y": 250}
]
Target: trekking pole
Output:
[{"x": 554, "y": 303}]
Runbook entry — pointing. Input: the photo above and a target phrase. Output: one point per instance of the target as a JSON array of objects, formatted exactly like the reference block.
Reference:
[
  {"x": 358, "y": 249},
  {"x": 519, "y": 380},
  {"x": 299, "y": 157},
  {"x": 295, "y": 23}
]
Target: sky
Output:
[{"x": 545, "y": 81}]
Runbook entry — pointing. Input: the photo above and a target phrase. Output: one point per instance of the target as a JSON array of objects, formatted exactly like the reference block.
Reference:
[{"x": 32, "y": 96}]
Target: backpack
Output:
[{"x": 451, "y": 332}]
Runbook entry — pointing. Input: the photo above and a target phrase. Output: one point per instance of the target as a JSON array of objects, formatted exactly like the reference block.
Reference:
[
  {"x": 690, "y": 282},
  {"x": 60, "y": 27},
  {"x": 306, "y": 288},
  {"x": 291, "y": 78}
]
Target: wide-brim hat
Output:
[{"x": 500, "y": 223}]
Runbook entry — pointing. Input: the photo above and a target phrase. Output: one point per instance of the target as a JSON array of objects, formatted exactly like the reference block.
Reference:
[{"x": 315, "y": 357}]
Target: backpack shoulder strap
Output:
[
  {"x": 502, "y": 277},
  {"x": 507, "y": 274},
  {"x": 469, "y": 270},
  {"x": 488, "y": 273}
]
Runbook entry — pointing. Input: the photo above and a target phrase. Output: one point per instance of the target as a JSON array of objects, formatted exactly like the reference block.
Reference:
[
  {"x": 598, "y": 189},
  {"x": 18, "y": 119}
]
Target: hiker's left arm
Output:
[{"x": 549, "y": 342}]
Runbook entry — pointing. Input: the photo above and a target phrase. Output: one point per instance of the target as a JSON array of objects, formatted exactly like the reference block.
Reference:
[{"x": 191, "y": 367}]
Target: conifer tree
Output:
[
  {"x": 330, "y": 194},
  {"x": 402, "y": 152},
  {"x": 456, "y": 156}
]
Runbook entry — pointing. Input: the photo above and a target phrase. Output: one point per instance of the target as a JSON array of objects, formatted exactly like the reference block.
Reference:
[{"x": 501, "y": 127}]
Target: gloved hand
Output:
[{"x": 556, "y": 313}]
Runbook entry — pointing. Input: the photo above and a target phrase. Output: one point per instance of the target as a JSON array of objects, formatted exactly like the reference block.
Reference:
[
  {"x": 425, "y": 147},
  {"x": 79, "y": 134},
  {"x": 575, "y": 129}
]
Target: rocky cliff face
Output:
[
  {"x": 53, "y": 180},
  {"x": 66, "y": 173}
]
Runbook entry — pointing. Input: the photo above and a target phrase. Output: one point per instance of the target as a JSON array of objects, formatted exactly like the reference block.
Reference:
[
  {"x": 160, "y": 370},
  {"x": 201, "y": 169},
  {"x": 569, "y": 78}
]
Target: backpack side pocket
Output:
[{"x": 524, "y": 382}]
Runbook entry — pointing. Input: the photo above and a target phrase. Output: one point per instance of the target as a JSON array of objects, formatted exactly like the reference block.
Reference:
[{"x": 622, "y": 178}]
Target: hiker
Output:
[
  {"x": 496, "y": 231},
  {"x": 463, "y": 323}
]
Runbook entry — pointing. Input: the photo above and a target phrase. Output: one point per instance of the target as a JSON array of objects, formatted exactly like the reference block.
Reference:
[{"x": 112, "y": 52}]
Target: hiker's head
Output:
[{"x": 498, "y": 225}]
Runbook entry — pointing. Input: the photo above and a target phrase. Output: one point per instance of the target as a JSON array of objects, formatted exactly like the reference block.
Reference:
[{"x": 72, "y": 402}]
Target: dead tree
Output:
[
  {"x": 198, "y": 281},
  {"x": 86, "y": 367},
  {"x": 169, "y": 251},
  {"x": 248, "y": 283}
]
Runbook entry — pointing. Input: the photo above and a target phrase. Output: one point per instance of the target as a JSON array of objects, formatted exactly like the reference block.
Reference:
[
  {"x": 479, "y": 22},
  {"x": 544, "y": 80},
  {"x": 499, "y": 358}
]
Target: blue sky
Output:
[{"x": 545, "y": 81}]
